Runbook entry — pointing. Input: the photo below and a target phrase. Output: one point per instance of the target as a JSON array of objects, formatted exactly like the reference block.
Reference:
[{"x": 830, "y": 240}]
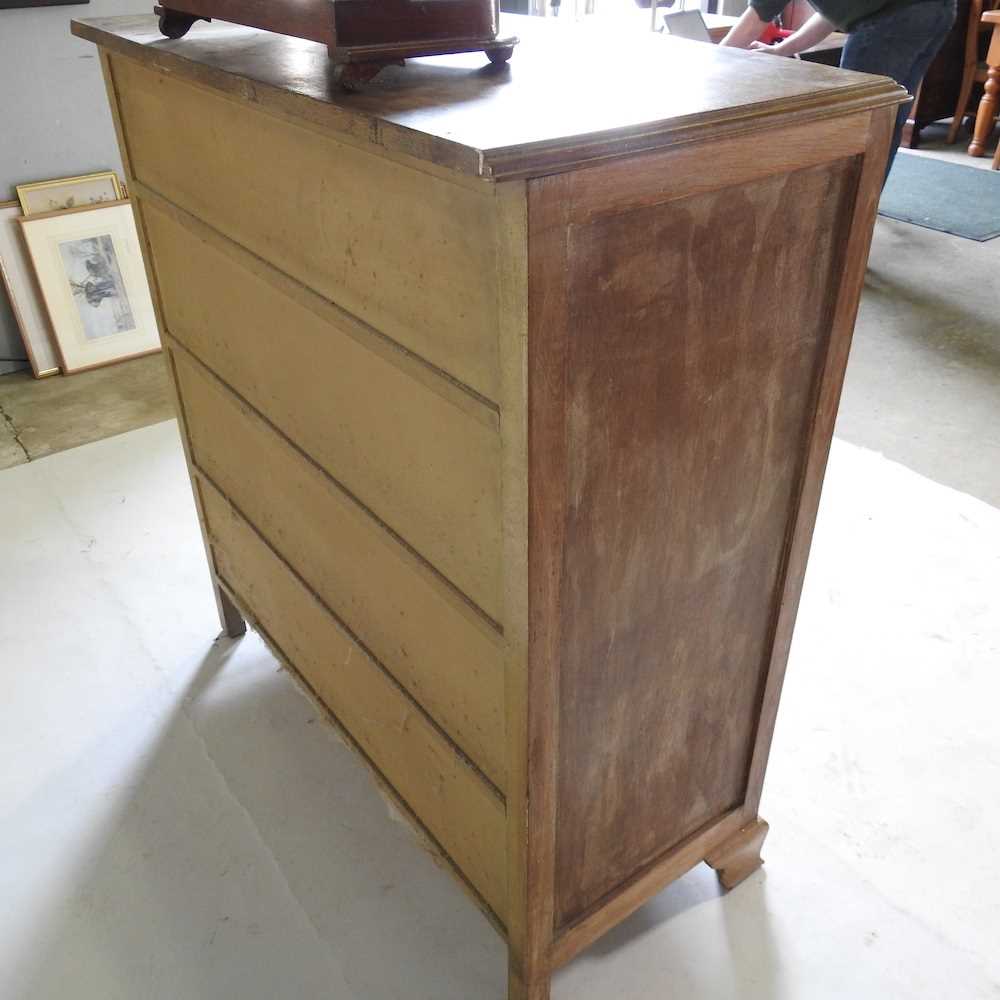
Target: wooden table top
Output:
[{"x": 571, "y": 94}]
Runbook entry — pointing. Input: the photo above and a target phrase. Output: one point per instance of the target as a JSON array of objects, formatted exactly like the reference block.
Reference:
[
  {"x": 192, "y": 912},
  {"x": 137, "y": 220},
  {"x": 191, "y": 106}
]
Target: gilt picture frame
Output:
[
  {"x": 18, "y": 279},
  {"x": 69, "y": 192},
  {"x": 15, "y": 4},
  {"x": 90, "y": 271}
]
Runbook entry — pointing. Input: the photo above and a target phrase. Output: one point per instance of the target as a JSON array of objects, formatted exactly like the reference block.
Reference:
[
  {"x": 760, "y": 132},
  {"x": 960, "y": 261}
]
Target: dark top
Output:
[{"x": 843, "y": 14}]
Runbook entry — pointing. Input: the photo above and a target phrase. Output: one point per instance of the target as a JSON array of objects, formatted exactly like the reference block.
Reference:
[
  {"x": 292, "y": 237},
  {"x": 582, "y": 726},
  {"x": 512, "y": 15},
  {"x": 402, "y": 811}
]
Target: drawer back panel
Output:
[
  {"x": 410, "y": 253},
  {"x": 432, "y": 642},
  {"x": 427, "y": 468}
]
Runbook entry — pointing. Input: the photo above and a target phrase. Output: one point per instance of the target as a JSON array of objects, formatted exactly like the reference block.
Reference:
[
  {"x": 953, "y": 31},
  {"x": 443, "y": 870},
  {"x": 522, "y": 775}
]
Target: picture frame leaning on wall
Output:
[
  {"x": 69, "y": 192},
  {"x": 93, "y": 282},
  {"x": 18, "y": 278}
]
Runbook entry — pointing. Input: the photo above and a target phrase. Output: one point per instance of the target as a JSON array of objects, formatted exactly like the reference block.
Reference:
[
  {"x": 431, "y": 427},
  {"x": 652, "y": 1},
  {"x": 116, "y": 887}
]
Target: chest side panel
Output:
[{"x": 696, "y": 336}]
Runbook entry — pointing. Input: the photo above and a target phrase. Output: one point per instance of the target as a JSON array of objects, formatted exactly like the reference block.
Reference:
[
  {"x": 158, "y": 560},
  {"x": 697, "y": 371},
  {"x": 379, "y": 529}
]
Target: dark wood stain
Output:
[{"x": 687, "y": 410}]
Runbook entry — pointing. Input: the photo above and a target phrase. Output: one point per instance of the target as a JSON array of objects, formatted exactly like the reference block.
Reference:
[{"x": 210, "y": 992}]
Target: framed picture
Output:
[
  {"x": 69, "y": 192},
  {"x": 13, "y": 4},
  {"x": 93, "y": 282},
  {"x": 18, "y": 278}
]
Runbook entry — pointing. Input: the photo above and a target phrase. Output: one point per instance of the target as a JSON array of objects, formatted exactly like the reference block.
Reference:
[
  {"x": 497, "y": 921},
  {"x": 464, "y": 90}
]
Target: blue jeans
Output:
[{"x": 900, "y": 43}]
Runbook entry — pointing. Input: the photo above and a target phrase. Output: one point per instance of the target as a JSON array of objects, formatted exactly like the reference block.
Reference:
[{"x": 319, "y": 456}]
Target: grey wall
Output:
[{"x": 54, "y": 118}]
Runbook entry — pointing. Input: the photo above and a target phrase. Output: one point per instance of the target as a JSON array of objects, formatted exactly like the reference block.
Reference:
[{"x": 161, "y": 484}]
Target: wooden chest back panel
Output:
[
  {"x": 428, "y": 469},
  {"x": 406, "y": 251},
  {"x": 458, "y": 809},
  {"x": 688, "y": 407},
  {"x": 444, "y": 653}
]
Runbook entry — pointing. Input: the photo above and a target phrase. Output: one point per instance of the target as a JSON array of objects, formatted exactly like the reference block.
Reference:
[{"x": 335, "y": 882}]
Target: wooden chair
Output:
[{"x": 975, "y": 68}]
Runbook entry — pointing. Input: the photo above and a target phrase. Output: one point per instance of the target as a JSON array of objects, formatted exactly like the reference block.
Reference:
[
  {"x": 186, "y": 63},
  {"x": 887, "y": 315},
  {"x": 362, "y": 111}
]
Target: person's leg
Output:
[{"x": 901, "y": 44}]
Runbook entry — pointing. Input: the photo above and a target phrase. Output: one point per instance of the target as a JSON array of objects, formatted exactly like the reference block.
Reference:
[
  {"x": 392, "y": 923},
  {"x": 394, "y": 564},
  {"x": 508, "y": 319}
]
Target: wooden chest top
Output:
[{"x": 571, "y": 95}]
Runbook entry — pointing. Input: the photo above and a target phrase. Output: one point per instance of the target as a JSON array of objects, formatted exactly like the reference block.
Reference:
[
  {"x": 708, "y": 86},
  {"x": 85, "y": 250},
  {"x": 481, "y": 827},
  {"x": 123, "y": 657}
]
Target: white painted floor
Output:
[{"x": 177, "y": 823}]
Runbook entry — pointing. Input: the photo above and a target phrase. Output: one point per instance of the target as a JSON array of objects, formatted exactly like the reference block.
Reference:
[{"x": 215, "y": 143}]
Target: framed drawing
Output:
[
  {"x": 93, "y": 282},
  {"x": 69, "y": 192},
  {"x": 13, "y": 4},
  {"x": 18, "y": 279}
]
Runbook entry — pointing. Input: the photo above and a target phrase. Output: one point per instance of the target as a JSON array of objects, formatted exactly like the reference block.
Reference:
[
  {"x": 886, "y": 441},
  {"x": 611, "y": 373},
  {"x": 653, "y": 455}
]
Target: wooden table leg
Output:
[
  {"x": 739, "y": 856},
  {"x": 986, "y": 116},
  {"x": 230, "y": 618},
  {"x": 518, "y": 989},
  {"x": 911, "y": 135}
]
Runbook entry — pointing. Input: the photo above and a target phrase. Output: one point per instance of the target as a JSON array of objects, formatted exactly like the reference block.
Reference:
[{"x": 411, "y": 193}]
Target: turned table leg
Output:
[
  {"x": 910, "y": 138},
  {"x": 738, "y": 857},
  {"x": 987, "y": 115},
  {"x": 231, "y": 620},
  {"x": 534, "y": 991},
  {"x": 519, "y": 987}
]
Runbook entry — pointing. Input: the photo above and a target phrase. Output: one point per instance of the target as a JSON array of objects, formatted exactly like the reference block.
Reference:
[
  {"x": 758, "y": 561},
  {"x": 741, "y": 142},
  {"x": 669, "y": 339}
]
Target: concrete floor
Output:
[
  {"x": 923, "y": 380},
  {"x": 177, "y": 821},
  {"x": 932, "y": 143},
  {"x": 40, "y": 417}
]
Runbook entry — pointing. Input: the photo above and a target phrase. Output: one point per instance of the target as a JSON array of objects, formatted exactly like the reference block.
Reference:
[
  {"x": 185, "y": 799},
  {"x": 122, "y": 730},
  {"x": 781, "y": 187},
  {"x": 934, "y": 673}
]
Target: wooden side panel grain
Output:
[
  {"x": 444, "y": 653},
  {"x": 623, "y": 184},
  {"x": 533, "y": 690},
  {"x": 405, "y": 251},
  {"x": 426, "y": 467},
  {"x": 459, "y": 810},
  {"x": 529, "y": 714},
  {"x": 698, "y": 333}
]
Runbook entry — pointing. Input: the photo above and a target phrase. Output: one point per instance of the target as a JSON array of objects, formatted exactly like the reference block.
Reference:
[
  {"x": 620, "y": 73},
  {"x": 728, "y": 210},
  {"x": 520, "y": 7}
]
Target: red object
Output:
[{"x": 771, "y": 34}]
